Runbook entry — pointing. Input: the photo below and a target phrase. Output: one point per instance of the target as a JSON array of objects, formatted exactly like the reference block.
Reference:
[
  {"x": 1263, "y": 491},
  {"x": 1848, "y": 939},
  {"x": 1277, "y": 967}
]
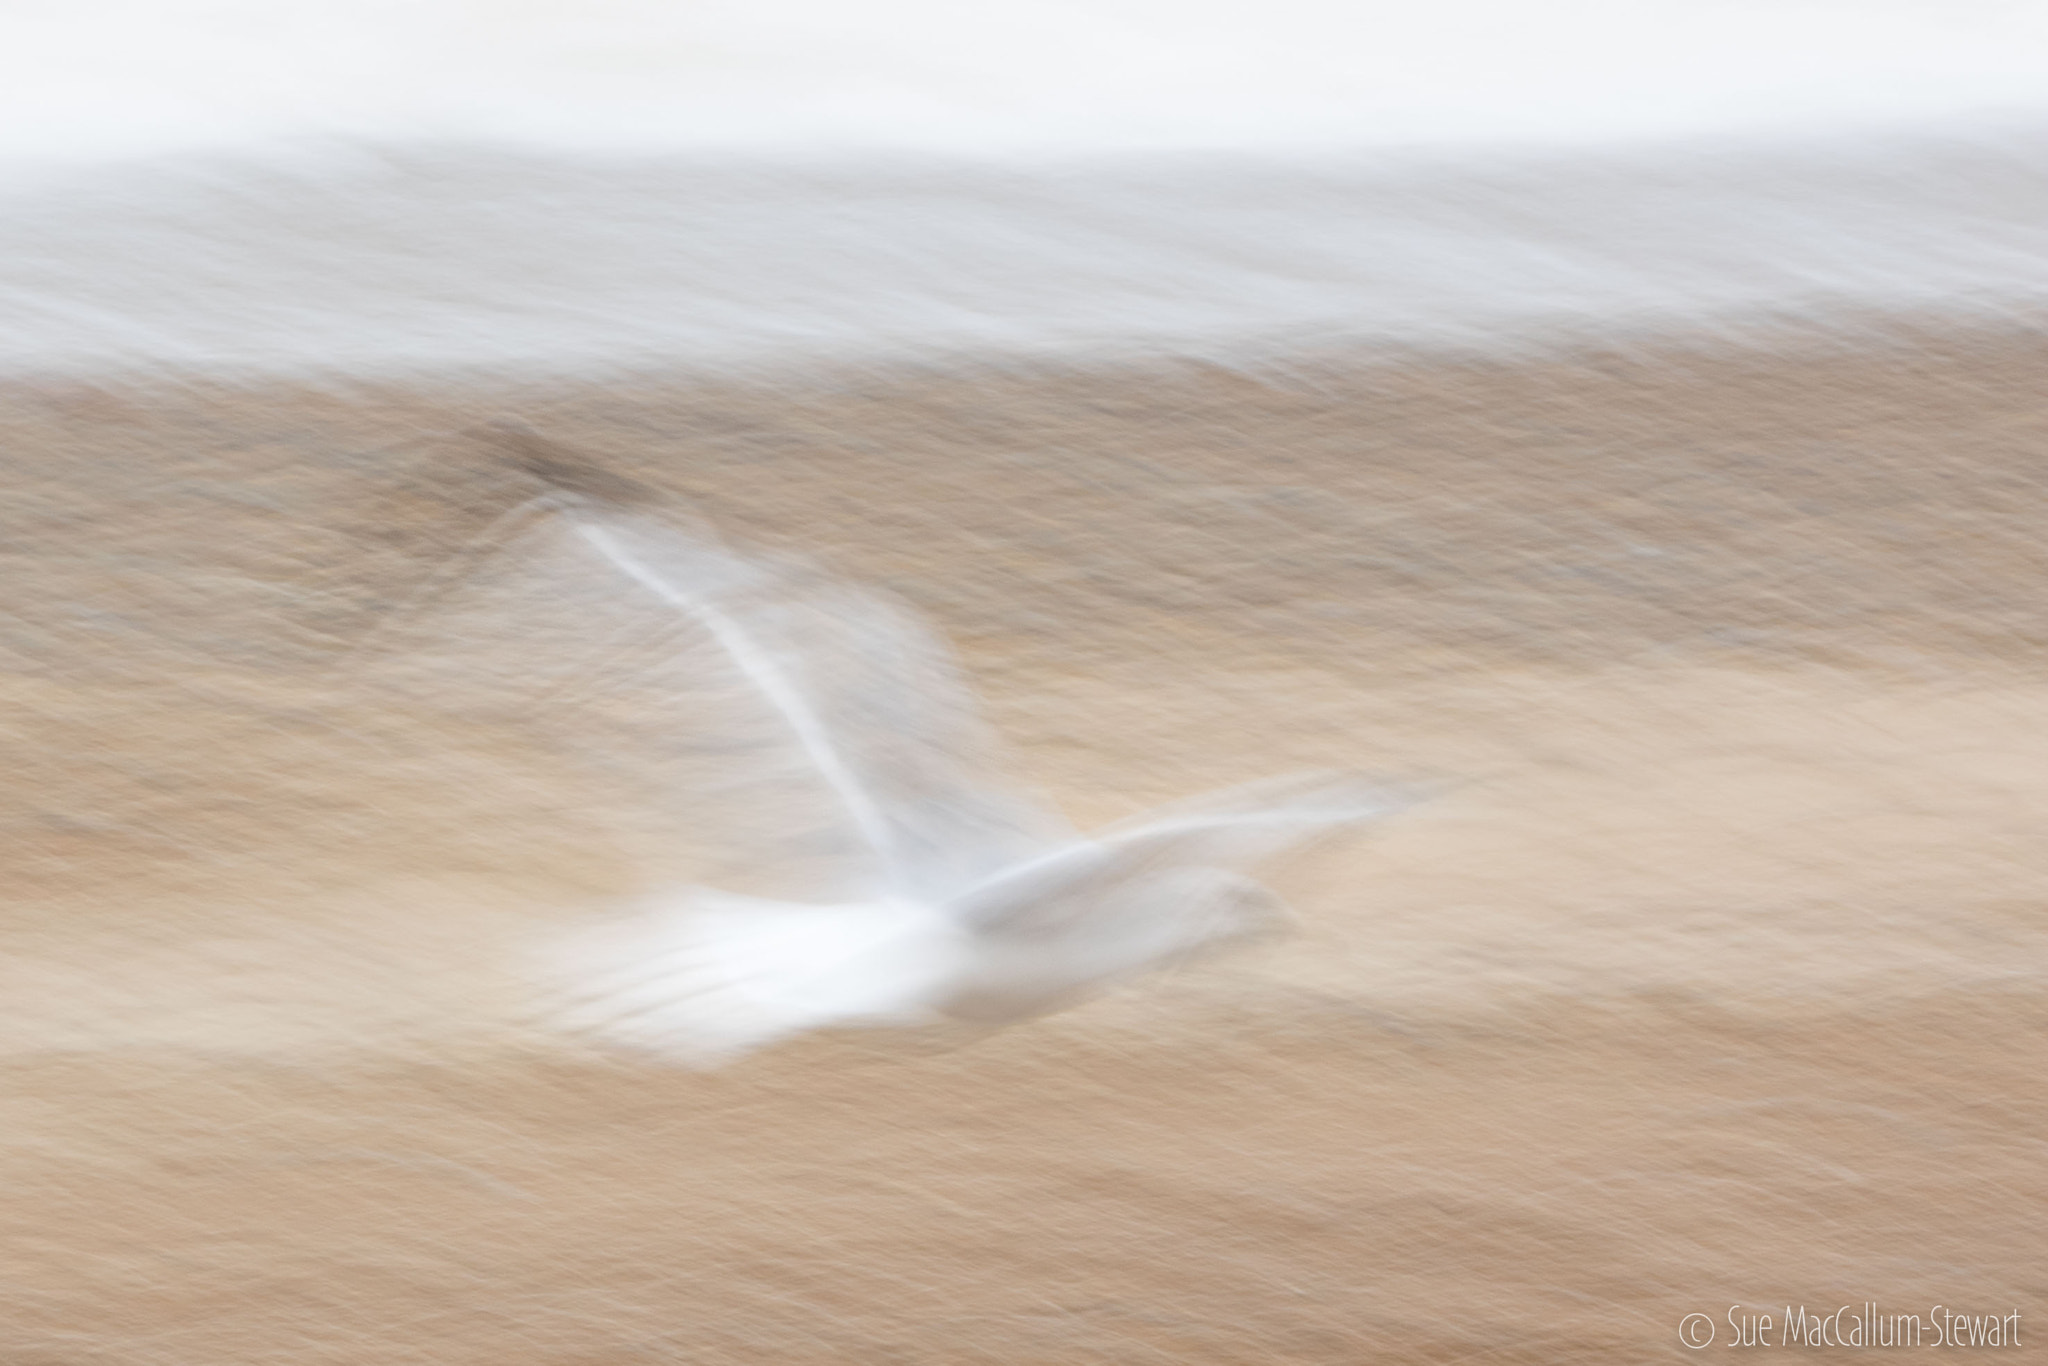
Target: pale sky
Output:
[{"x": 116, "y": 77}]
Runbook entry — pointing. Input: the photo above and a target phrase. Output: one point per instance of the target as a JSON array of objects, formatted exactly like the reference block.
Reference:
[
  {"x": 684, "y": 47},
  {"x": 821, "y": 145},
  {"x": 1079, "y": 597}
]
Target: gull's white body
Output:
[{"x": 911, "y": 884}]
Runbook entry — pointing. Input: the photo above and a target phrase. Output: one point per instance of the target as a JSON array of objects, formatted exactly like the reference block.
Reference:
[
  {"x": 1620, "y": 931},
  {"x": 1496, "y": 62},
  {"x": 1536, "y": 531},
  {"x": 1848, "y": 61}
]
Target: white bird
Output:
[{"x": 836, "y": 758}]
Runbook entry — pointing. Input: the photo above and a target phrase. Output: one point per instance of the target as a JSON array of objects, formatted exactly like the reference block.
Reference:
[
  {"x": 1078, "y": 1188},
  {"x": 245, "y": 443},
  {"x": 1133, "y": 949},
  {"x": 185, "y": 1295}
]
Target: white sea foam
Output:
[{"x": 356, "y": 186}]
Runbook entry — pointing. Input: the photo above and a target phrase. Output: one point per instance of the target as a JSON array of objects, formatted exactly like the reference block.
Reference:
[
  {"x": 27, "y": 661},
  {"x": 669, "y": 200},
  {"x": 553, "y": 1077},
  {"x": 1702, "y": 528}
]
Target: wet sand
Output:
[{"x": 1711, "y": 975}]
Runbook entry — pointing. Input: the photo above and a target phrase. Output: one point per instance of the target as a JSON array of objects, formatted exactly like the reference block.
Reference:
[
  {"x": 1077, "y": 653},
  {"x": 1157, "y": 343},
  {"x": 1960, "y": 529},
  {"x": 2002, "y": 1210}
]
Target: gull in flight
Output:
[{"x": 838, "y": 761}]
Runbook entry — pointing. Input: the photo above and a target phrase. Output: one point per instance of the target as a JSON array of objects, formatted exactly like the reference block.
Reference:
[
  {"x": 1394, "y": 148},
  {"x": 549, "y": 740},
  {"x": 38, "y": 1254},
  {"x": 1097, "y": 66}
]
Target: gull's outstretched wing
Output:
[{"x": 806, "y": 737}]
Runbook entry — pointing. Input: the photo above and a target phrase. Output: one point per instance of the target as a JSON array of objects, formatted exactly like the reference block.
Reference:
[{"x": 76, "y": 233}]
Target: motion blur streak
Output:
[
  {"x": 1622, "y": 421},
  {"x": 386, "y": 262}
]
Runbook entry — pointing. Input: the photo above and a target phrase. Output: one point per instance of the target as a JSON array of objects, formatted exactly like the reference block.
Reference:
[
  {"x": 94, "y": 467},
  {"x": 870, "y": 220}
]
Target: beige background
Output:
[{"x": 1712, "y": 975}]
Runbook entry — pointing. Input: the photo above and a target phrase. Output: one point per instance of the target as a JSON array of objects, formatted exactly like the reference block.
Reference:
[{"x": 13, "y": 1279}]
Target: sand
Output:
[{"x": 1710, "y": 976}]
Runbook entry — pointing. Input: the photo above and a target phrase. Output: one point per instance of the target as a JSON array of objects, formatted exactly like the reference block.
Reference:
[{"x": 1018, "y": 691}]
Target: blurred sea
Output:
[{"x": 354, "y": 187}]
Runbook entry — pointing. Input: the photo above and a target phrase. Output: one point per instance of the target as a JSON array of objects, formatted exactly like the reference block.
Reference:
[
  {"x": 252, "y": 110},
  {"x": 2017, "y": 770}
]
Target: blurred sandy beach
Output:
[{"x": 1712, "y": 975}]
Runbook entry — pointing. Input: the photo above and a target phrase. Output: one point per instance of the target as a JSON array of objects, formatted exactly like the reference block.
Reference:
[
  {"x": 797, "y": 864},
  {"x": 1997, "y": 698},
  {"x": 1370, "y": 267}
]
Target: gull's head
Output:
[{"x": 1056, "y": 940}]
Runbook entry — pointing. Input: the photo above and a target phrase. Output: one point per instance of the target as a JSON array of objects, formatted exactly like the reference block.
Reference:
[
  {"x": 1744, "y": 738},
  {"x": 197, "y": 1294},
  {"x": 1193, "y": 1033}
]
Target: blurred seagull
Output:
[{"x": 931, "y": 891}]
